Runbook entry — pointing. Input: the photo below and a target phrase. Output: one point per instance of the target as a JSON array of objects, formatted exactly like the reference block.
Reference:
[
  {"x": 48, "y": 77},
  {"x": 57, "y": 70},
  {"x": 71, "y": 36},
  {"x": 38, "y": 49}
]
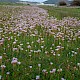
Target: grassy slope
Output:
[
  {"x": 61, "y": 12},
  {"x": 12, "y": 4}
]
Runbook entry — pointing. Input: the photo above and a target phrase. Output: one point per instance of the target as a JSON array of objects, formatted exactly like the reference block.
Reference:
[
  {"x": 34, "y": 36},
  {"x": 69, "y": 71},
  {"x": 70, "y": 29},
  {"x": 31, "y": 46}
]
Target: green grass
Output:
[
  {"x": 13, "y": 4},
  {"x": 61, "y": 12}
]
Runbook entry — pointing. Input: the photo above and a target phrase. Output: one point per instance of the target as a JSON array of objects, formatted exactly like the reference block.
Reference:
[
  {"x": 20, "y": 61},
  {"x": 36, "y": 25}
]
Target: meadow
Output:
[
  {"x": 36, "y": 44},
  {"x": 61, "y": 12}
]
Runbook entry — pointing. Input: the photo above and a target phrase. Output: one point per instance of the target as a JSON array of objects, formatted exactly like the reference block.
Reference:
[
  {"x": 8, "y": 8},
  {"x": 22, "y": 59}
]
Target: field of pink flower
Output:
[{"x": 34, "y": 46}]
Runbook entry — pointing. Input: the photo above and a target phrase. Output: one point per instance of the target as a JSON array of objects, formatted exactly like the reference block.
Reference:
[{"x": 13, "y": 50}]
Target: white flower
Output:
[
  {"x": 15, "y": 49},
  {"x": 59, "y": 70},
  {"x": 75, "y": 53},
  {"x": 58, "y": 54},
  {"x": 63, "y": 79},
  {"x": 42, "y": 47},
  {"x": 54, "y": 70},
  {"x": 21, "y": 44},
  {"x": 46, "y": 52},
  {"x": 4, "y": 53},
  {"x": 31, "y": 50},
  {"x": 54, "y": 54},
  {"x": 35, "y": 32},
  {"x": 21, "y": 48},
  {"x": 14, "y": 42},
  {"x": 37, "y": 77},
  {"x": 51, "y": 72},
  {"x": 56, "y": 49},
  {"x": 51, "y": 63},
  {"x": 52, "y": 44},
  {"x": 30, "y": 67},
  {"x": 8, "y": 73},
  {"x": 78, "y": 64},
  {"x": 27, "y": 42},
  {"x": 44, "y": 70},
  {"x": 39, "y": 50},
  {"x": 3, "y": 66},
  {"x": 39, "y": 65},
  {"x": 50, "y": 47},
  {"x": 38, "y": 40},
  {"x": 19, "y": 63}
]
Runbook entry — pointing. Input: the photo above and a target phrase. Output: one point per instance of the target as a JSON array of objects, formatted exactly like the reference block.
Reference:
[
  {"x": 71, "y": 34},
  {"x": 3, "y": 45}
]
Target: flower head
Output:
[
  {"x": 14, "y": 60},
  {"x": 37, "y": 77},
  {"x": 0, "y": 57},
  {"x": 3, "y": 66}
]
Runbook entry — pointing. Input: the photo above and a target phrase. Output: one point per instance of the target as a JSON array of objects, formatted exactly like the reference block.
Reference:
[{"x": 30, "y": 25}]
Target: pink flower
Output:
[
  {"x": 14, "y": 60},
  {"x": 0, "y": 57},
  {"x": 3, "y": 66},
  {"x": 54, "y": 70}
]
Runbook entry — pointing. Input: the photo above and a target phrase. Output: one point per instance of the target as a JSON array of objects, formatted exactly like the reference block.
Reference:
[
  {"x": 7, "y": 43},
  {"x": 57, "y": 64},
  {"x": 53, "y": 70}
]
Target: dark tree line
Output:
[
  {"x": 75, "y": 3},
  {"x": 72, "y": 3},
  {"x": 63, "y": 2}
]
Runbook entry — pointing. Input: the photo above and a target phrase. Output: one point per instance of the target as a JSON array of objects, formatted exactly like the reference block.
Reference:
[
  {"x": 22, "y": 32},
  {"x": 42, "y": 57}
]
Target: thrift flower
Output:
[{"x": 37, "y": 77}]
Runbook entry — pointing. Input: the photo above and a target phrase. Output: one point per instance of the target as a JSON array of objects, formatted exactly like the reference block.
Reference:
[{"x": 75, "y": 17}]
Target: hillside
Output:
[
  {"x": 50, "y": 1},
  {"x": 9, "y": 0},
  {"x": 54, "y": 1}
]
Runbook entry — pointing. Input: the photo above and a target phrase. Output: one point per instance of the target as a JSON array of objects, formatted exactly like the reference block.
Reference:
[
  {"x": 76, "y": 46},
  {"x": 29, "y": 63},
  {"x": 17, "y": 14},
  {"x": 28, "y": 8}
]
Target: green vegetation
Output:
[
  {"x": 62, "y": 3},
  {"x": 13, "y": 4},
  {"x": 61, "y": 12},
  {"x": 75, "y": 3},
  {"x": 51, "y": 1}
]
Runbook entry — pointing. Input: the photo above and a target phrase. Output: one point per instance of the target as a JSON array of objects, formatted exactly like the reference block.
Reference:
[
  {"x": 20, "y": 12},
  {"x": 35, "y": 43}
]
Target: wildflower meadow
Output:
[{"x": 37, "y": 46}]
